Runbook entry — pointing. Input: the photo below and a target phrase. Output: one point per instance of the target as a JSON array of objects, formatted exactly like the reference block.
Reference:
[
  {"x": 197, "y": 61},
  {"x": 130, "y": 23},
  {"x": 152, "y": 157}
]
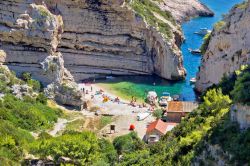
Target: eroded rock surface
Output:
[
  {"x": 228, "y": 49},
  {"x": 29, "y": 35},
  {"x": 183, "y": 10}
]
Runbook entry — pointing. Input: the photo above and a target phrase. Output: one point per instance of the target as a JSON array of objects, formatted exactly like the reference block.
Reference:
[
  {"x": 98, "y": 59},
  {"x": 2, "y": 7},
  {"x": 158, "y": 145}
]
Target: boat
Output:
[
  {"x": 195, "y": 51},
  {"x": 142, "y": 116},
  {"x": 109, "y": 77},
  {"x": 163, "y": 101},
  {"x": 176, "y": 98},
  {"x": 165, "y": 98},
  {"x": 203, "y": 31},
  {"x": 193, "y": 80}
]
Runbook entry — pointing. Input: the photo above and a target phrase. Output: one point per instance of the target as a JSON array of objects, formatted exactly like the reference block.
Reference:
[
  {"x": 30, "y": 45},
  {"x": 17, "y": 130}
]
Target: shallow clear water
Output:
[{"x": 128, "y": 86}]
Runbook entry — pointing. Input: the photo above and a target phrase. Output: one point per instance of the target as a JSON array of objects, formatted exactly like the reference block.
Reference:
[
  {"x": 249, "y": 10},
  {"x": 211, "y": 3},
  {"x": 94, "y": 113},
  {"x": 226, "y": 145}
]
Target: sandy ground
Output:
[{"x": 123, "y": 113}]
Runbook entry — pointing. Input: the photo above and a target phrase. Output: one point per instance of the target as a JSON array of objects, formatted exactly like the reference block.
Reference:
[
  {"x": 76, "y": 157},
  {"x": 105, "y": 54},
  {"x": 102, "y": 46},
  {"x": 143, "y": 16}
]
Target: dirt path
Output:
[
  {"x": 86, "y": 123},
  {"x": 59, "y": 125}
]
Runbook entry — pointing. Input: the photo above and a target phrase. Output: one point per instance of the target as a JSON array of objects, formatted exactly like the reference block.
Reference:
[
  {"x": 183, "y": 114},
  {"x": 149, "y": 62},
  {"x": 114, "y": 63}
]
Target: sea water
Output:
[{"x": 137, "y": 86}]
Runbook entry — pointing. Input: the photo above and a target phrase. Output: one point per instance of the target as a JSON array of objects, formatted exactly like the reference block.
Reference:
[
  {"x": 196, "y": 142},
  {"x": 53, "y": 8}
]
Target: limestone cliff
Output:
[
  {"x": 228, "y": 48},
  {"x": 29, "y": 35},
  {"x": 183, "y": 10},
  {"x": 62, "y": 41}
]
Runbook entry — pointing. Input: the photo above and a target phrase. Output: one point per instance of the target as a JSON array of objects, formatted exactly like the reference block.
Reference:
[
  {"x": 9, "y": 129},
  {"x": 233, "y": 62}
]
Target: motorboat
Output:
[
  {"x": 195, "y": 51},
  {"x": 203, "y": 31},
  {"x": 163, "y": 101},
  {"x": 193, "y": 80},
  {"x": 165, "y": 98}
]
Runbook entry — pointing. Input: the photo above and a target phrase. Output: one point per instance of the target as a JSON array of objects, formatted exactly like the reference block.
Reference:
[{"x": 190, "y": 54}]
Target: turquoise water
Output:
[{"x": 138, "y": 85}]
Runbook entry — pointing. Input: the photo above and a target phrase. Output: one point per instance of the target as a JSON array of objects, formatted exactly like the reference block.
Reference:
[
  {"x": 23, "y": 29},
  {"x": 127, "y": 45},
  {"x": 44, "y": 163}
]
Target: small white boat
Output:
[
  {"x": 203, "y": 31},
  {"x": 195, "y": 51},
  {"x": 109, "y": 77},
  {"x": 193, "y": 80},
  {"x": 165, "y": 98}
]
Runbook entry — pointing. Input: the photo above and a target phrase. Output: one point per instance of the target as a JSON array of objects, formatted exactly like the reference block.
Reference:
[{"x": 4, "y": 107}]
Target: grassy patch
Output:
[
  {"x": 76, "y": 125},
  {"x": 219, "y": 25},
  {"x": 146, "y": 9},
  {"x": 105, "y": 120},
  {"x": 205, "y": 43}
]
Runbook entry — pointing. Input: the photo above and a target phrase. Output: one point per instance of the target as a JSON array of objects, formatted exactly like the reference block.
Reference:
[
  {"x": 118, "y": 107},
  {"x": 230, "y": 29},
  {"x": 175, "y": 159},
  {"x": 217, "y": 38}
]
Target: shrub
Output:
[
  {"x": 42, "y": 98},
  {"x": 127, "y": 143},
  {"x": 26, "y": 76},
  {"x": 82, "y": 148},
  {"x": 241, "y": 91},
  {"x": 36, "y": 86},
  {"x": 219, "y": 25},
  {"x": 205, "y": 43},
  {"x": 26, "y": 114},
  {"x": 158, "y": 113}
]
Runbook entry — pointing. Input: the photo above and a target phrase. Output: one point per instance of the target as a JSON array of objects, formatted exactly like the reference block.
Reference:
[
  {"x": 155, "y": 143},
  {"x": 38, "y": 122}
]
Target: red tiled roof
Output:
[
  {"x": 175, "y": 106},
  {"x": 157, "y": 125}
]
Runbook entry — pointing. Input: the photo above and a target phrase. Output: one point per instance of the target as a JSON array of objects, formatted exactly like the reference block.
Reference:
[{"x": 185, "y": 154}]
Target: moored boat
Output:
[
  {"x": 203, "y": 32},
  {"x": 193, "y": 80},
  {"x": 195, "y": 51}
]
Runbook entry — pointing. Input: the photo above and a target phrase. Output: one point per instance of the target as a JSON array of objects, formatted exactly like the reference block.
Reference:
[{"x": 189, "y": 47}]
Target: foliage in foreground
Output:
[
  {"x": 29, "y": 115},
  {"x": 82, "y": 148}
]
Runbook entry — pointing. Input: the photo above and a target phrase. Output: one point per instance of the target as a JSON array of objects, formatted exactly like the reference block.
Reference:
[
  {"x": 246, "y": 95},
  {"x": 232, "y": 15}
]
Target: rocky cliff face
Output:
[
  {"x": 182, "y": 10},
  {"x": 29, "y": 35},
  {"x": 62, "y": 41},
  {"x": 228, "y": 49}
]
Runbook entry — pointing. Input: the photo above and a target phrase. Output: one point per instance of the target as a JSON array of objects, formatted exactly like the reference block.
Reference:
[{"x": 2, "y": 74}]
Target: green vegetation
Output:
[
  {"x": 219, "y": 25},
  {"x": 7, "y": 80},
  {"x": 208, "y": 125},
  {"x": 147, "y": 10},
  {"x": 44, "y": 12},
  {"x": 75, "y": 125},
  {"x": 242, "y": 5},
  {"x": 241, "y": 91},
  {"x": 229, "y": 137},
  {"x": 105, "y": 120},
  {"x": 83, "y": 148},
  {"x": 19, "y": 117},
  {"x": 128, "y": 143},
  {"x": 205, "y": 43},
  {"x": 158, "y": 113},
  {"x": 36, "y": 85},
  {"x": 13, "y": 140},
  {"x": 27, "y": 115}
]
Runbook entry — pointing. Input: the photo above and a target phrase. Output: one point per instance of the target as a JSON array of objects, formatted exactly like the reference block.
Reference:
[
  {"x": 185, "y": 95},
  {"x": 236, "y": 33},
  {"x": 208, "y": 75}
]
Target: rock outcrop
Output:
[
  {"x": 182, "y": 10},
  {"x": 29, "y": 35},
  {"x": 228, "y": 48}
]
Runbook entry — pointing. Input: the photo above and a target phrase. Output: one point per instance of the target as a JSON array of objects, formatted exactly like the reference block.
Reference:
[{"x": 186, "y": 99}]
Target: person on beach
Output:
[{"x": 117, "y": 100}]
